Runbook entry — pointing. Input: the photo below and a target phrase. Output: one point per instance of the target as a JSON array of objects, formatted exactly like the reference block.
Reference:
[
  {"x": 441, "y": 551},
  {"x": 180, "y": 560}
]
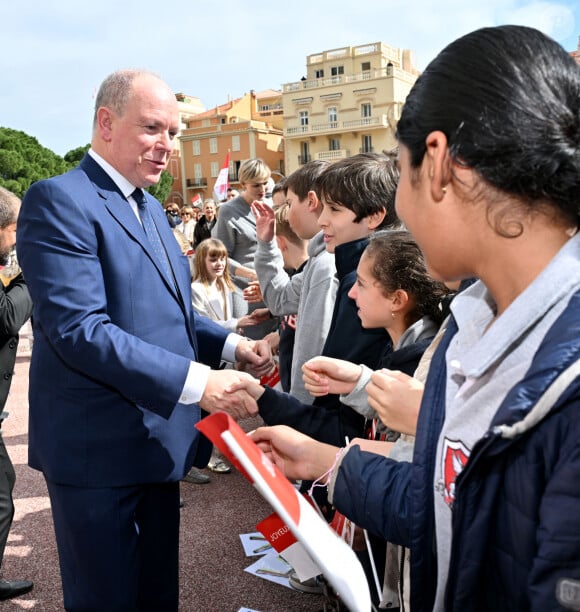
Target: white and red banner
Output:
[
  {"x": 220, "y": 189},
  {"x": 197, "y": 200},
  {"x": 326, "y": 549}
]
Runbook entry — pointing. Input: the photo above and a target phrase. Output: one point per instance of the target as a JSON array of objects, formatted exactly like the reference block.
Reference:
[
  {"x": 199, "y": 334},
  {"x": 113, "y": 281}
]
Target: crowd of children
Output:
[{"x": 460, "y": 408}]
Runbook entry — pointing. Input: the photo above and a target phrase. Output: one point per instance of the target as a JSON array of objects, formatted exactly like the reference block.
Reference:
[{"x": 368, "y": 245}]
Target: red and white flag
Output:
[
  {"x": 197, "y": 201},
  {"x": 220, "y": 189},
  {"x": 330, "y": 553}
]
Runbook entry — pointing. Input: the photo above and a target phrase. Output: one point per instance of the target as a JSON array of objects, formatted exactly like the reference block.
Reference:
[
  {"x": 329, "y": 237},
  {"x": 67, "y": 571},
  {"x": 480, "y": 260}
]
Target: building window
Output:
[
  {"x": 334, "y": 144},
  {"x": 366, "y": 110},
  {"x": 304, "y": 156},
  {"x": 336, "y": 70},
  {"x": 197, "y": 171},
  {"x": 332, "y": 115},
  {"x": 303, "y": 118},
  {"x": 367, "y": 144},
  {"x": 205, "y": 123},
  {"x": 214, "y": 169},
  {"x": 235, "y": 143},
  {"x": 196, "y": 147},
  {"x": 213, "y": 148},
  {"x": 319, "y": 74},
  {"x": 365, "y": 66}
]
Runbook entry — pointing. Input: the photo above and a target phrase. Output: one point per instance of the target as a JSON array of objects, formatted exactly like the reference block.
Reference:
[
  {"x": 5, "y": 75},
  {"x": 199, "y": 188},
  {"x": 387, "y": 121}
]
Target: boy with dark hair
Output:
[{"x": 358, "y": 197}]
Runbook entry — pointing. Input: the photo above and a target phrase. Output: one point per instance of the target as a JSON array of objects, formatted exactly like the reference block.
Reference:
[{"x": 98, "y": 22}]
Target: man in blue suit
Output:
[{"x": 120, "y": 368}]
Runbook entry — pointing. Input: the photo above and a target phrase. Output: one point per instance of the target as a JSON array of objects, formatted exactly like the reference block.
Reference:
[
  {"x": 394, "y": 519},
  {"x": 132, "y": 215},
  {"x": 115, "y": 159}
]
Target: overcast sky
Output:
[{"x": 55, "y": 54}]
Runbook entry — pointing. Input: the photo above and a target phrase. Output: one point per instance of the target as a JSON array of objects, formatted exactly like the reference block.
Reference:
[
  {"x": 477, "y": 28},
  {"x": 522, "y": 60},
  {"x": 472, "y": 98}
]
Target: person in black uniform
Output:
[{"x": 15, "y": 310}]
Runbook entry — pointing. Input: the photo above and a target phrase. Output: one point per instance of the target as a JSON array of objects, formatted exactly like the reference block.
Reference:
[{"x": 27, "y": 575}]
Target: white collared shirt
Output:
[{"x": 198, "y": 373}]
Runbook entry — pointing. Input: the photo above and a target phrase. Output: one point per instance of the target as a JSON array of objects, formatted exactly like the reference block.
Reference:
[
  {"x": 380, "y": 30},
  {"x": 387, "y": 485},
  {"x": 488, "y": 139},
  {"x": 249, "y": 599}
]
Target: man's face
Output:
[
  {"x": 7, "y": 242},
  {"x": 138, "y": 143}
]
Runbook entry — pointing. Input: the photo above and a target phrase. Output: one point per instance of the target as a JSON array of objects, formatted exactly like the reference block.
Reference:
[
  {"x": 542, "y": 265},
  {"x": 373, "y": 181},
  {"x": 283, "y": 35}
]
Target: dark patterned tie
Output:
[{"x": 151, "y": 232}]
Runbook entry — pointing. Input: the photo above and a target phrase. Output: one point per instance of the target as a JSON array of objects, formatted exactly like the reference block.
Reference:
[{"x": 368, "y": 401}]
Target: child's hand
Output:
[
  {"x": 252, "y": 293},
  {"x": 255, "y": 317},
  {"x": 265, "y": 221},
  {"x": 323, "y": 375},
  {"x": 396, "y": 398}
]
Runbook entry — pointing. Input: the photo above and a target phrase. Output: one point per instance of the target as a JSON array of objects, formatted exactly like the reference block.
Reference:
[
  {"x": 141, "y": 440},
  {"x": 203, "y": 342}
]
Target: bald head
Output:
[
  {"x": 135, "y": 124},
  {"x": 115, "y": 91}
]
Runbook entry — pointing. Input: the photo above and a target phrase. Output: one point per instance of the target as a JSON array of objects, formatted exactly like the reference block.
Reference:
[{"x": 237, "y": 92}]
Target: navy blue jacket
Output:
[
  {"x": 328, "y": 424},
  {"x": 516, "y": 532},
  {"x": 347, "y": 339},
  {"x": 113, "y": 337},
  {"x": 330, "y": 421}
]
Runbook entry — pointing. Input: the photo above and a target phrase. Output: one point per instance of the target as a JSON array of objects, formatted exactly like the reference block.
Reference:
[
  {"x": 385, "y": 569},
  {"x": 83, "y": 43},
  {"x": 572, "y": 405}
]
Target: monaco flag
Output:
[{"x": 220, "y": 189}]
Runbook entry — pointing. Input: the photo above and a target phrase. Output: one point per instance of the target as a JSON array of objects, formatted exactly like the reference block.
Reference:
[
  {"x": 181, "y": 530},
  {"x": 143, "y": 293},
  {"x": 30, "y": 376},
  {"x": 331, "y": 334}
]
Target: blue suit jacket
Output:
[{"x": 112, "y": 339}]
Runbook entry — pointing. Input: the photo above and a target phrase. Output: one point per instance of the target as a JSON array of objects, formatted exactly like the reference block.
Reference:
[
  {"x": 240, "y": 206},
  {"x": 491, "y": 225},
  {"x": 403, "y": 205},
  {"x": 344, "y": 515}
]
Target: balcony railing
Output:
[
  {"x": 333, "y": 155},
  {"x": 367, "y": 75},
  {"x": 197, "y": 182},
  {"x": 301, "y": 129},
  {"x": 376, "y": 121}
]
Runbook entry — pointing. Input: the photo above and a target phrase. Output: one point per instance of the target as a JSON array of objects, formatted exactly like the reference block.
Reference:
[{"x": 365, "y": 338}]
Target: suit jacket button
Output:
[
  {"x": 12, "y": 344},
  {"x": 7, "y": 375}
]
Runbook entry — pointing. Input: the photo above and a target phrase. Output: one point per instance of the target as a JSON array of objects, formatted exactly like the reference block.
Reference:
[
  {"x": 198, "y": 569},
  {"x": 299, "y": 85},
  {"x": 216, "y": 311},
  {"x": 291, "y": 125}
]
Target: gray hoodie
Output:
[{"x": 309, "y": 294}]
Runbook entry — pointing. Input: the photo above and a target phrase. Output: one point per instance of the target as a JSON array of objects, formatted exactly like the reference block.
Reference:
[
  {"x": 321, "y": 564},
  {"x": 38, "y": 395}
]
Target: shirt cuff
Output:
[
  {"x": 195, "y": 383},
  {"x": 230, "y": 346},
  {"x": 198, "y": 373}
]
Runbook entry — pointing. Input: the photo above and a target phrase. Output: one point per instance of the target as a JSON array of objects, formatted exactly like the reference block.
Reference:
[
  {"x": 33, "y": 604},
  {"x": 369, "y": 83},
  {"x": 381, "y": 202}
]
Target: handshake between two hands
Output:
[{"x": 236, "y": 391}]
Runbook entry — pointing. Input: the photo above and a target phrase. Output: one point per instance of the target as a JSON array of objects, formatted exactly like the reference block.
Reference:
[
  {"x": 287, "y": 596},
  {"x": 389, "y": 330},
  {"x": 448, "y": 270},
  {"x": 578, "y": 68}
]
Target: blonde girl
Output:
[{"x": 213, "y": 292}]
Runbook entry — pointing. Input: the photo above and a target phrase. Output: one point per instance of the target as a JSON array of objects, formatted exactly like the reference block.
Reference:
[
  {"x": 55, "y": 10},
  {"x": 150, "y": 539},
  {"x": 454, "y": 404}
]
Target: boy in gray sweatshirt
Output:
[{"x": 309, "y": 293}]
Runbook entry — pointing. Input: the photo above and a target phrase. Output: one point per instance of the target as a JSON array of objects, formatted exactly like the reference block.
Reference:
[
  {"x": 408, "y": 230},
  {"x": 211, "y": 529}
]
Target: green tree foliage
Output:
[
  {"x": 23, "y": 161},
  {"x": 74, "y": 157},
  {"x": 162, "y": 189}
]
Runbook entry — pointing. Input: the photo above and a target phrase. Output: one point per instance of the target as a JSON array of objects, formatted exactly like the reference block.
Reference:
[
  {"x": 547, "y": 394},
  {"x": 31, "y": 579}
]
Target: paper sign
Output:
[
  {"x": 334, "y": 557},
  {"x": 278, "y": 534},
  {"x": 255, "y": 544},
  {"x": 271, "y": 567}
]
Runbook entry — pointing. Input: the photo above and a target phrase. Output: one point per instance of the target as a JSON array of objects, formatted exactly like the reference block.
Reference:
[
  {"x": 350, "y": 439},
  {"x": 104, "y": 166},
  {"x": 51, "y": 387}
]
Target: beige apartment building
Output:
[
  {"x": 349, "y": 102},
  {"x": 246, "y": 127},
  {"x": 189, "y": 107}
]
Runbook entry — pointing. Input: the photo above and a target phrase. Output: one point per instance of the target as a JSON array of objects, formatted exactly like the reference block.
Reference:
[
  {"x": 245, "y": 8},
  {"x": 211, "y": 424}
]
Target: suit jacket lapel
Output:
[{"x": 121, "y": 211}]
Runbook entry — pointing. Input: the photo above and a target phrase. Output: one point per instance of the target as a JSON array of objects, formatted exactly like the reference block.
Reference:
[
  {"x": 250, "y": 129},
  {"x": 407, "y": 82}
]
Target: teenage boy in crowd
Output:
[
  {"x": 358, "y": 197},
  {"x": 295, "y": 254},
  {"x": 309, "y": 293}
]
